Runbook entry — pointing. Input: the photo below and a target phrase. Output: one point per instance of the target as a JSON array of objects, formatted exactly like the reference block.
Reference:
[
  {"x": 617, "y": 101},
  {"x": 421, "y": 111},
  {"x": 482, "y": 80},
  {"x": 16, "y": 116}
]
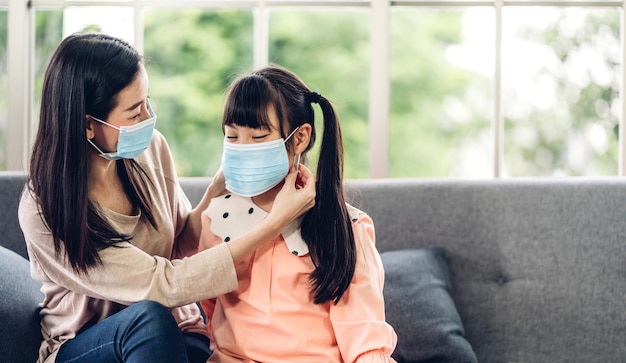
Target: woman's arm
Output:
[
  {"x": 296, "y": 197},
  {"x": 193, "y": 225},
  {"x": 128, "y": 274}
]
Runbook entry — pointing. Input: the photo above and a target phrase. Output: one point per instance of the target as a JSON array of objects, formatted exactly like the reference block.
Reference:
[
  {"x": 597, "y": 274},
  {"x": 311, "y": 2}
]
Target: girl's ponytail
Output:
[{"x": 327, "y": 228}]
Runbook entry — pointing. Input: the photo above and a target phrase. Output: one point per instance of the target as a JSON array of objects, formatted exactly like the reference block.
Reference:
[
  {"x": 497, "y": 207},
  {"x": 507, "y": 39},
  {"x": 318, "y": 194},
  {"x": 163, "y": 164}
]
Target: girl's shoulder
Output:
[{"x": 357, "y": 215}]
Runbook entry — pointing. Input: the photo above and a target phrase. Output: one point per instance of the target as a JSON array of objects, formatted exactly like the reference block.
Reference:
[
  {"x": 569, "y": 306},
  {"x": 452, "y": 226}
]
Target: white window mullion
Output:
[
  {"x": 261, "y": 35},
  {"x": 498, "y": 119},
  {"x": 19, "y": 80},
  {"x": 138, "y": 26},
  {"x": 622, "y": 120},
  {"x": 379, "y": 89}
]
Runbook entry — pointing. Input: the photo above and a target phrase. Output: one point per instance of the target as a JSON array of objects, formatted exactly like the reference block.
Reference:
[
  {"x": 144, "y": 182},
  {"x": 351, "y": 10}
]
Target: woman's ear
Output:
[
  {"x": 302, "y": 138},
  {"x": 89, "y": 127}
]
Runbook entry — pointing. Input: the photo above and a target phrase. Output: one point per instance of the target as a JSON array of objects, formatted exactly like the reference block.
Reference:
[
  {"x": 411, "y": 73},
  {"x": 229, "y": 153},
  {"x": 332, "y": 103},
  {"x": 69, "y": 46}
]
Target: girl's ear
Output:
[
  {"x": 302, "y": 138},
  {"x": 89, "y": 123}
]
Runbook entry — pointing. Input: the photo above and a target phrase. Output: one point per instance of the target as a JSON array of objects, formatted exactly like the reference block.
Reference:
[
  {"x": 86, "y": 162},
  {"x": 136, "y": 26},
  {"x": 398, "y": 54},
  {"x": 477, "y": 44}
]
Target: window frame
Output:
[{"x": 20, "y": 50}]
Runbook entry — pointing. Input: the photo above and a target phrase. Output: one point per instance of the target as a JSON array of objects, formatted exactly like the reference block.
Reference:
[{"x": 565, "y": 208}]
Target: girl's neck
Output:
[{"x": 266, "y": 200}]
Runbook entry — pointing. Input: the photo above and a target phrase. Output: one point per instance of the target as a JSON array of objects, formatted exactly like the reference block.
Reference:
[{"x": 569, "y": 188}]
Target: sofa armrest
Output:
[{"x": 20, "y": 332}]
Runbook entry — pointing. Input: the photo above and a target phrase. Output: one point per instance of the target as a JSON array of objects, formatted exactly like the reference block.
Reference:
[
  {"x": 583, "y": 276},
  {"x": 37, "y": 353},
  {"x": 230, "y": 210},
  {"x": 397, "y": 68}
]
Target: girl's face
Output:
[
  {"x": 246, "y": 135},
  {"x": 131, "y": 109},
  {"x": 235, "y": 134}
]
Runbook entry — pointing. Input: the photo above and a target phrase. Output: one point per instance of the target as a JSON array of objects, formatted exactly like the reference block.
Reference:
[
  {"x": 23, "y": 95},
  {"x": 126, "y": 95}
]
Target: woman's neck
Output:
[
  {"x": 101, "y": 171},
  {"x": 105, "y": 187}
]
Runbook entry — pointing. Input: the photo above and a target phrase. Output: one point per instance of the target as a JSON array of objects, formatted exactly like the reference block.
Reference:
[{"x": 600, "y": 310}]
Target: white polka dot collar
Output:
[{"x": 233, "y": 215}]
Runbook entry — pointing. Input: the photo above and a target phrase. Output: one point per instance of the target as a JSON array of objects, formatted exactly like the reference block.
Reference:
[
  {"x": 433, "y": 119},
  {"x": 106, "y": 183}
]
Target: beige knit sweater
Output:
[{"x": 141, "y": 270}]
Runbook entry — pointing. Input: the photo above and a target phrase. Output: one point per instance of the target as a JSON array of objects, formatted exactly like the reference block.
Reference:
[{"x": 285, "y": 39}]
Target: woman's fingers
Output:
[
  {"x": 292, "y": 201},
  {"x": 218, "y": 184},
  {"x": 306, "y": 181}
]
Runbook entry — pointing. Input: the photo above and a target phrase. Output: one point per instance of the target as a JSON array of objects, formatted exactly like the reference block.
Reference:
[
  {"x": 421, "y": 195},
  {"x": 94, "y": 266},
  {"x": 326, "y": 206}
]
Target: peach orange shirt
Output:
[{"x": 271, "y": 317}]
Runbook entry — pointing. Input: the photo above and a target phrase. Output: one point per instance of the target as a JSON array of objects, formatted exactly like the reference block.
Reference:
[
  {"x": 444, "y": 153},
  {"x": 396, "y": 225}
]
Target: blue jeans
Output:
[{"x": 143, "y": 332}]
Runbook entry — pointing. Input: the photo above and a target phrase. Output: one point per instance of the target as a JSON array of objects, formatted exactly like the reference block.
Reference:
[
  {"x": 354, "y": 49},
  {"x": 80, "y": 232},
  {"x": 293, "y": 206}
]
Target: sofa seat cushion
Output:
[
  {"x": 419, "y": 306},
  {"x": 19, "y": 309}
]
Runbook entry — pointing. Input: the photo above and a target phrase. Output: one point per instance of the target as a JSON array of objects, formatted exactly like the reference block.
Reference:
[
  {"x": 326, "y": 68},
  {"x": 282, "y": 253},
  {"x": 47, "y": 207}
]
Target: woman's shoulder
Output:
[
  {"x": 29, "y": 215},
  {"x": 158, "y": 146},
  {"x": 158, "y": 167},
  {"x": 157, "y": 156},
  {"x": 28, "y": 202}
]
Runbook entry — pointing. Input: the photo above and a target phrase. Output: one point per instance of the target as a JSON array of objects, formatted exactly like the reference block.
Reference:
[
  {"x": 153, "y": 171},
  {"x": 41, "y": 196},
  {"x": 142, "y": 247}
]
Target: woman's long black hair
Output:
[
  {"x": 326, "y": 228},
  {"x": 84, "y": 76}
]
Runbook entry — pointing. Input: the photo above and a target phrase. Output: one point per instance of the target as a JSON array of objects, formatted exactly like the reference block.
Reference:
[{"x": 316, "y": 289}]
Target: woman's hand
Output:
[
  {"x": 194, "y": 225},
  {"x": 218, "y": 184},
  {"x": 296, "y": 197},
  {"x": 290, "y": 203},
  {"x": 215, "y": 189}
]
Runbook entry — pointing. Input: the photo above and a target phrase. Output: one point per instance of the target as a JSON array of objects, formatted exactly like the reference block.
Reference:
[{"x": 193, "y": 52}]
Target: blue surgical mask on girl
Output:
[
  {"x": 132, "y": 140},
  {"x": 253, "y": 169}
]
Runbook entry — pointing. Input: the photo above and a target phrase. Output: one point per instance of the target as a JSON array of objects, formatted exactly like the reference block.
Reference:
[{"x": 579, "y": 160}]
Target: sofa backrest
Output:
[
  {"x": 538, "y": 266},
  {"x": 11, "y": 186}
]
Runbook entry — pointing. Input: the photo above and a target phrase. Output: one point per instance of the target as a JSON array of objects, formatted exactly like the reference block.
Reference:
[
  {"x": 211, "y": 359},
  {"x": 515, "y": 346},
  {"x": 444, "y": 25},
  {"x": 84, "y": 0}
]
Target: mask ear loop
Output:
[
  {"x": 291, "y": 134},
  {"x": 289, "y": 137},
  {"x": 149, "y": 107},
  {"x": 298, "y": 163},
  {"x": 104, "y": 122}
]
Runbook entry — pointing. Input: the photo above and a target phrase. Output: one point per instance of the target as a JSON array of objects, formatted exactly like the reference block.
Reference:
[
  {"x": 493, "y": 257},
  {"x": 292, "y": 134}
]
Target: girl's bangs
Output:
[{"x": 247, "y": 106}]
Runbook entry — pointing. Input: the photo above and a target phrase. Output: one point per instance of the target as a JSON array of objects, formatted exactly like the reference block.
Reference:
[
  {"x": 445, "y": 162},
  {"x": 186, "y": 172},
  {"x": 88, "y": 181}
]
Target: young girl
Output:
[{"x": 314, "y": 293}]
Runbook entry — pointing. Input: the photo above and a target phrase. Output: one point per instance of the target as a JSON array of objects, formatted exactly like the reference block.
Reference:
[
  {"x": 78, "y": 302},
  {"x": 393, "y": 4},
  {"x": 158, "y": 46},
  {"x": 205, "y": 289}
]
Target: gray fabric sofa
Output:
[{"x": 535, "y": 268}]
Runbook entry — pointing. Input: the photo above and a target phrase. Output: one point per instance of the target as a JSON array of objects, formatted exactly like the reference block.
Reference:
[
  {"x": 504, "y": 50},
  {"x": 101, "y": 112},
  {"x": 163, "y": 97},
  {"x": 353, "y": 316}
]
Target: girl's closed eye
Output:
[{"x": 260, "y": 137}]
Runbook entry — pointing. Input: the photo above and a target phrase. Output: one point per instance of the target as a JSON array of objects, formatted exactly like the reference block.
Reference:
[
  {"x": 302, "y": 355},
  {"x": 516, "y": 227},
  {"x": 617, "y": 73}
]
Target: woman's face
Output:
[{"x": 131, "y": 108}]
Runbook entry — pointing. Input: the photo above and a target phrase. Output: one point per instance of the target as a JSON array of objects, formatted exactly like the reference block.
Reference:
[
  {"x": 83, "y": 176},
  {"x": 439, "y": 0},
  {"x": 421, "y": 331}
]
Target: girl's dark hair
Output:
[
  {"x": 84, "y": 76},
  {"x": 326, "y": 228}
]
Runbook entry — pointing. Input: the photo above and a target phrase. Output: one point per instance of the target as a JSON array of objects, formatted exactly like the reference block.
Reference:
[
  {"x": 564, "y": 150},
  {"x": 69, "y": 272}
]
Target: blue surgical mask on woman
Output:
[
  {"x": 131, "y": 140},
  {"x": 253, "y": 169}
]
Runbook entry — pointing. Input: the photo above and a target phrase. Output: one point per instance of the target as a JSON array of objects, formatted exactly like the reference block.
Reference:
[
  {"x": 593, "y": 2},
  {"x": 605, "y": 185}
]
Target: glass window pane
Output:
[
  {"x": 191, "y": 56},
  {"x": 53, "y": 25},
  {"x": 112, "y": 20},
  {"x": 530, "y": 2},
  {"x": 441, "y": 92},
  {"x": 329, "y": 50},
  {"x": 48, "y": 34},
  {"x": 4, "y": 88},
  {"x": 562, "y": 104},
  {"x": 309, "y": 1}
]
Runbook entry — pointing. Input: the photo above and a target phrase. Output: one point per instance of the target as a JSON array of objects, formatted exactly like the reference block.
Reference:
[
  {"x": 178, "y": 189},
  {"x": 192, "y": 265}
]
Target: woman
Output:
[
  {"x": 103, "y": 215},
  {"x": 314, "y": 293}
]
